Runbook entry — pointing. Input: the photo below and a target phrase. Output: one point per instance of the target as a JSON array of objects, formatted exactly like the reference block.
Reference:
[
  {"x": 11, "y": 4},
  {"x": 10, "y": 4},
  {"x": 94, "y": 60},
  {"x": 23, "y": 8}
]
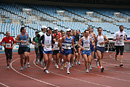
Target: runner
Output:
[
  {"x": 61, "y": 53},
  {"x": 40, "y": 34},
  {"x": 56, "y": 32},
  {"x": 119, "y": 38},
  {"x": 35, "y": 42},
  {"x": 23, "y": 40},
  {"x": 84, "y": 44},
  {"x": 28, "y": 64},
  {"x": 65, "y": 45},
  {"x": 47, "y": 41},
  {"x": 56, "y": 51},
  {"x": 92, "y": 35},
  {"x": 100, "y": 47},
  {"x": 8, "y": 43}
]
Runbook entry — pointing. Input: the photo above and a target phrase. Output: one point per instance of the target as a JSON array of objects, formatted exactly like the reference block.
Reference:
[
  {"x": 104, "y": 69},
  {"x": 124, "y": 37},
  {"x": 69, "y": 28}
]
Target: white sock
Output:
[{"x": 68, "y": 66}]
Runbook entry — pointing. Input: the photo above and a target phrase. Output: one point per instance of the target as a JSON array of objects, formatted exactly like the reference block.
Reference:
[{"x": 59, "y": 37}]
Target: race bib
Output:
[
  {"x": 36, "y": 45},
  {"x": 24, "y": 43},
  {"x": 86, "y": 47},
  {"x": 68, "y": 46},
  {"x": 8, "y": 45},
  {"x": 48, "y": 46}
]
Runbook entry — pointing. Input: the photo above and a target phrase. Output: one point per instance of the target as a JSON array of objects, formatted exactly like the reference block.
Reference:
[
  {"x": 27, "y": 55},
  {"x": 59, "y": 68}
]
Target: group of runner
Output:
[{"x": 65, "y": 49}]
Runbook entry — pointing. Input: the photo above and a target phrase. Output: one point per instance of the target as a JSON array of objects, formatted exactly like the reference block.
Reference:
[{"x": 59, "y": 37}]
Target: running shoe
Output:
[
  {"x": 36, "y": 62},
  {"x": 65, "y": 65},
  {"x": 90, "y": 68},
  {"x": 25, "y": 66},
  {"x": 68, "y": 72},
  {"x": 102, "y": 69},
  {"x": 28, "y": 65},
  {"x": 79, "y": 62},
  {"x": 87, "y": 71},
  {"x": 72, "y": 65},
  {"x": 57, "y": 66},
  {"x": 121, "y": 64},
  {"x": 21, "y": 69},
  {"x": 8, "y": 67},
  {"x": 46, "y": 71}
]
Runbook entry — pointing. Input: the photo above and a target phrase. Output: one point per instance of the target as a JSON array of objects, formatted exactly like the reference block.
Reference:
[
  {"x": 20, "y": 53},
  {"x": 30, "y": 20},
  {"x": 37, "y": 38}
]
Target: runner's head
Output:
[
  {"x": 49, "y": 30},
  {"x": 23, "y": 30},
  {"x": 68, "y": 32},
  {"x": 7, "y": 34},
  {"x": 62, "y": 33},
  {"x": 86, "y": 33},
  {"x": 57, "y": 36},
  {"x": 121, "y": 28},
  {"x": 56, "y": 30},
  {"x": 91, "y": 30},
  {"x": 74, "y": 32},
  {"x": 43, "y": 29},
  {"x": 99, "y": 30},
  {"x": 36, "y": 33}
]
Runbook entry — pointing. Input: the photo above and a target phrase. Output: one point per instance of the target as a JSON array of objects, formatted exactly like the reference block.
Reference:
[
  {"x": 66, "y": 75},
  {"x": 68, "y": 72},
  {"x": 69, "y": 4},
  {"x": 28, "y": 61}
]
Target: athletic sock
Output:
[{"x": 68, "y": 66}]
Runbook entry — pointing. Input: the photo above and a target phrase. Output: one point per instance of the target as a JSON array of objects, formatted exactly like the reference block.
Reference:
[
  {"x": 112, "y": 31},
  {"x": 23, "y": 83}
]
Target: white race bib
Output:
[
  {"x": 86, "y": 47},
  {"x": 48, "y": 46},
  {"x": 8, "y": 45},
  {"x": 24, "y": 43}
]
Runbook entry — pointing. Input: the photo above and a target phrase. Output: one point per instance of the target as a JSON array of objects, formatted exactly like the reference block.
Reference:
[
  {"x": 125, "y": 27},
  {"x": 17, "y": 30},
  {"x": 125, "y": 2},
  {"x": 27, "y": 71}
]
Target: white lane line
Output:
[
  {"x": 105, "y": 76},
  {"x": 73, "y": 77},
  {"x": 3, "y": 84},
  {"x": 30, "y": 76}
]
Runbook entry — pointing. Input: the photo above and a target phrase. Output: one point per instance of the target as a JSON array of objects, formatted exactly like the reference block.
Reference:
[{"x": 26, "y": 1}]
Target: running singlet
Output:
[
  {"x": 47, "y": 43},
  {"x": 55, "y": 46},
  {"x": 24, "y": 38},
  {"x": 86, "y": 43},
  {"x": 99, "y": 40},
  {"x": 119, "y": 42},
  {"x": 67, "y": 43},
  {"x": 8, "y": 42}
]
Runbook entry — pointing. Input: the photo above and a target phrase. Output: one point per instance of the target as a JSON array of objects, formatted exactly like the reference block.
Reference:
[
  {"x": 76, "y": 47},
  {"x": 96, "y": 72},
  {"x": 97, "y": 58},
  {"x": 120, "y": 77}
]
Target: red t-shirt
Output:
[
  {"x": 55, "y": 35},
  {"x": 8, "y": 42}
]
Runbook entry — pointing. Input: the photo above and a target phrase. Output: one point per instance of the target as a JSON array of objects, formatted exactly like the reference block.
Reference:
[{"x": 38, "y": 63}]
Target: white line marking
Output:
[
  {"x": 74, "y": 78},
  {"x": 3, "y": 84},
  {"x": 105, "y": 76},
  {"x": 30, "y": 76}
]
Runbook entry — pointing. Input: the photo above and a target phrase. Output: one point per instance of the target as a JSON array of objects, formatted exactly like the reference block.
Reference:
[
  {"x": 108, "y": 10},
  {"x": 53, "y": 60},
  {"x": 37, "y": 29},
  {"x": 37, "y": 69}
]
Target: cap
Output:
[
  {"x": 68, "y": 29},
  {"x": 56, "y": 28},
  {"x": 48, "y": 28},
  {"x": 44, "y": 27}
]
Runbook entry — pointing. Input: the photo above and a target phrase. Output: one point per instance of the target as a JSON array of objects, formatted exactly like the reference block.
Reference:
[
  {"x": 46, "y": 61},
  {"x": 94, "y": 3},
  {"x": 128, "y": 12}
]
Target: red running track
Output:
[{"x": 113, "y": 76}]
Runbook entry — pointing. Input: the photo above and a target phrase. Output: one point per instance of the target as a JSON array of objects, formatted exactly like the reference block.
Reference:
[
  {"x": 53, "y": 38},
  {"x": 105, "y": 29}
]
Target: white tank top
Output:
[
  {"x": 47, "y": 43},
  {"x": 86, "y": 43},
  {"x": 99, "y": 40}
]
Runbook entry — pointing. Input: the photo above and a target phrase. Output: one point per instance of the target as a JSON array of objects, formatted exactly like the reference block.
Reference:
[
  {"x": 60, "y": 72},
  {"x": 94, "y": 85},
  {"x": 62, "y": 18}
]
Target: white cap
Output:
[
  {"x": 44, "y": 27},
  {"x": 56, "y": 28},
  {"x": 68, "y": 29},
  {"x": 48, "y": 28}
]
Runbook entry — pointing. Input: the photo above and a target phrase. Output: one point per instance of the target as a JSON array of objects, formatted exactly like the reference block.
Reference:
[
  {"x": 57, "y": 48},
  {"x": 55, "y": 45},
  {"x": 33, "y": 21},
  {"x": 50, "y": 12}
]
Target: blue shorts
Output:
[
  {"x": 66, "y": 52},
  {"x": 101, "y": 49},
  {"x": 47, "y": 52},
  {"x": 92, "y": 49},
  {"x": 87, "y": 52}
]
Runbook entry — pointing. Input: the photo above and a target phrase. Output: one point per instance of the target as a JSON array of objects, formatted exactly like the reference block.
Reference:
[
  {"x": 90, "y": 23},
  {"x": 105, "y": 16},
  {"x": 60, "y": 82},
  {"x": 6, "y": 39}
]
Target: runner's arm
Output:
[{"x": 2, "y": 42}]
